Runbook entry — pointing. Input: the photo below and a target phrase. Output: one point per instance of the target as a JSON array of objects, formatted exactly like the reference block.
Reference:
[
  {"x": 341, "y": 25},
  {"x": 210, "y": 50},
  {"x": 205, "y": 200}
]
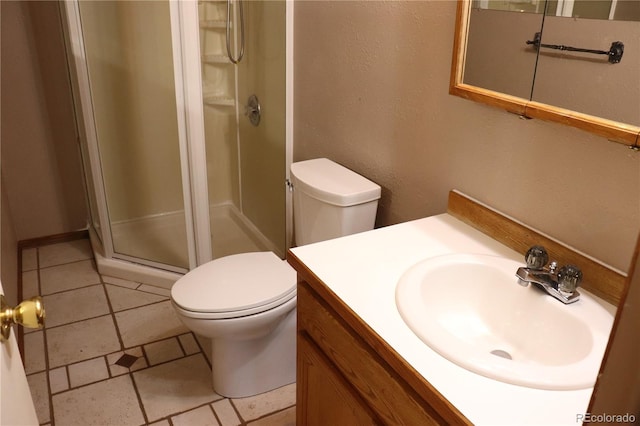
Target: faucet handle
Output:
[
  {"x": 569, "y": 278},
  {"x": 536, "y": 257}
]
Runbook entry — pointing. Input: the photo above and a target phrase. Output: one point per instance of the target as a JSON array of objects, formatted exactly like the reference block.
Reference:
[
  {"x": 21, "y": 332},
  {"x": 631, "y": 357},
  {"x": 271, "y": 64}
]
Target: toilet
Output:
[{"x": 246, "y": 303}]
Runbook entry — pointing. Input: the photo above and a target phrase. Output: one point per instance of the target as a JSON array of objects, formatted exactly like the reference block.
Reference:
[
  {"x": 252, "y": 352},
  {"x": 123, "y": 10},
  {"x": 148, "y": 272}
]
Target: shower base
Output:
[{"x": 158, "y": 237}]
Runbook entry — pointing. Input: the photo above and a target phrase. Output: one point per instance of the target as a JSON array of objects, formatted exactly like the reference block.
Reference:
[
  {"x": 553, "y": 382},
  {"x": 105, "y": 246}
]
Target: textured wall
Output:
[
  {"x": 41, "y": 167},
  {"x": 371, "y": 92}
]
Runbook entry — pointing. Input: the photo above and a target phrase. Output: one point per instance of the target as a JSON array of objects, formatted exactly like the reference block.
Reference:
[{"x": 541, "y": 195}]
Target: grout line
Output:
[
  {"x": 77, "y": 321},
  {"x": 140, "y": 404},
  {"x": 112, "y": 313},
  {"x": 141, "y": 306},
  {"x": 215, "y": 415},
  {"x": 71, "y": 263},
  {"x": 146, "y": 357},
  {"x": 206, "y": 359},
  {"x": 45, "y": 349},
  {"x": 242, "y": 420},
  {"x": 184, "y": 353}
]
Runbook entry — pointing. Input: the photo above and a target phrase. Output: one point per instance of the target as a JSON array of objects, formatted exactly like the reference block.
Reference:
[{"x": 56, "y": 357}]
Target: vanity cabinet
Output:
[{"x": 348, "y": 375}]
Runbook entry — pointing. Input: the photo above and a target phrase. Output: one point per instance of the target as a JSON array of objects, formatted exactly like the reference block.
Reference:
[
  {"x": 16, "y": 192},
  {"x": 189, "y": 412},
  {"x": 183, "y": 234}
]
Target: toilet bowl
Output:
[{"x": 246, "y": 303}]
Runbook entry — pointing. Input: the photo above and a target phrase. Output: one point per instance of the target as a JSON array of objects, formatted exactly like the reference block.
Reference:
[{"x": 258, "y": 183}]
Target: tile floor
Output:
[{"x": 113, "y": 352}]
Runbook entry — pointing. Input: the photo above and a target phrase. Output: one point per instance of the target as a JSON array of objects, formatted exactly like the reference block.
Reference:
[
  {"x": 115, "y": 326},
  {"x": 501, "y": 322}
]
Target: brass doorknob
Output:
[{"x": 29, "y": 313}]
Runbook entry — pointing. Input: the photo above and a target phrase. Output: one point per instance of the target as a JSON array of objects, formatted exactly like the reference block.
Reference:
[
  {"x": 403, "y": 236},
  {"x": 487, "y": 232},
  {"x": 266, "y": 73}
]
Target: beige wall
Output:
[
  {"x": 371, "y": 92},
  {"x": 41, "y": 169}
]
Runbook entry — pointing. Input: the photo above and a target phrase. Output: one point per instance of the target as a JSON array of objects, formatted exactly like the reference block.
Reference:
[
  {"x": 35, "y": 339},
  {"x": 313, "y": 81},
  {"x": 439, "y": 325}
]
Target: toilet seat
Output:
[{"x": 235, "y": 286}]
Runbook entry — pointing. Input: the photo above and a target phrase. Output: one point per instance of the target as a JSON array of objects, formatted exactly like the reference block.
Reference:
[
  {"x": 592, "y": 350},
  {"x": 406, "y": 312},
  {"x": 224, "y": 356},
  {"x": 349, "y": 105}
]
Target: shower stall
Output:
[{"x": 178, "y": 169}]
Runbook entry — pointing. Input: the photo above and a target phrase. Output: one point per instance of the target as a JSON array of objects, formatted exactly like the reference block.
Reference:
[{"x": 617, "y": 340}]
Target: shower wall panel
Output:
[
  {"x": 130, "y": 63},
  {"x": 218, "y": 87},
  {"x": 128, "y": 46},
  {"x": 262, "y": 148},
  {"x": 222, "y": 155}
]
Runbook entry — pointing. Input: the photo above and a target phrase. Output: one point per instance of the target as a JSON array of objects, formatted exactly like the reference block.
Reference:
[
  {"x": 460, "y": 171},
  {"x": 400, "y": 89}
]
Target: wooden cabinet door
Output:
[{"x": 324, "y": 396}]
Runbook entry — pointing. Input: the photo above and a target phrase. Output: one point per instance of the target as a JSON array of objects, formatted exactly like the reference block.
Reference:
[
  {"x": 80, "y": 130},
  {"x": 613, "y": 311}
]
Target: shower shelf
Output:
[
  {"x": 213, "y": 24},
  {"x": 218, "y": 100},
  {"x": 215, "y": 59}
]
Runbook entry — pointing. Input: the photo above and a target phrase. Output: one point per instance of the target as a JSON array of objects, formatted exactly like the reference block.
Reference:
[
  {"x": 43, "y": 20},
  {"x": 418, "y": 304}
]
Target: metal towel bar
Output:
[{"x": 614, "y": 53}]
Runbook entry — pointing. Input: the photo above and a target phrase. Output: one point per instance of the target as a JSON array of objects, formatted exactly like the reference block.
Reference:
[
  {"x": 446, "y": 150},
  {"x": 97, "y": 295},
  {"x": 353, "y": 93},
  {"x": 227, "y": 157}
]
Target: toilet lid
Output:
[{"x": 234, "y": 283}]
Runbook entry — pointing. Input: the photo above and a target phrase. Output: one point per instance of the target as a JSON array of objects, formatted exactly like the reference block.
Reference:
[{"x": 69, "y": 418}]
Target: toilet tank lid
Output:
[{"x": 332, "y": 183}]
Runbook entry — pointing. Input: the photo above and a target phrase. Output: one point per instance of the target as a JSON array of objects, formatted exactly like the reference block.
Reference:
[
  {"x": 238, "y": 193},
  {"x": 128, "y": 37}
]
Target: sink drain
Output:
[{"x": 501, "y": 353}]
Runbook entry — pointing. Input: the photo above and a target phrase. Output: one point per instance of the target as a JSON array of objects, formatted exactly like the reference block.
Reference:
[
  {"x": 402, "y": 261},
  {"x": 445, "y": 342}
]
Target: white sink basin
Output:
[{"x": 471, "y": 310}]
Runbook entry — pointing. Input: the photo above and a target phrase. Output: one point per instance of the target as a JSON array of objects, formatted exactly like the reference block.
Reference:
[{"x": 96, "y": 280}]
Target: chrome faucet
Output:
[{"x": 559, "y": 283}]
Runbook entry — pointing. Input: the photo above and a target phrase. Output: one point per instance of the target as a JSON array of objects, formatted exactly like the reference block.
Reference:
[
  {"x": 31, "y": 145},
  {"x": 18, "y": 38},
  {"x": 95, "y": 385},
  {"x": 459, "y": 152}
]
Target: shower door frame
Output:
[{"x": 190, "y": 115}]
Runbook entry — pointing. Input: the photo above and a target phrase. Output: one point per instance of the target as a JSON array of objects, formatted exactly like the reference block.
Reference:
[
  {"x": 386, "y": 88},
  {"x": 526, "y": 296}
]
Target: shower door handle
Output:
[{"x": 252, "y": 110}]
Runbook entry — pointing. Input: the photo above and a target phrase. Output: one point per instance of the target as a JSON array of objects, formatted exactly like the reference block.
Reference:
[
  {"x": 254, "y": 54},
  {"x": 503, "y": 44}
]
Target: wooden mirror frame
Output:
[{"x": 615, "y": 131}]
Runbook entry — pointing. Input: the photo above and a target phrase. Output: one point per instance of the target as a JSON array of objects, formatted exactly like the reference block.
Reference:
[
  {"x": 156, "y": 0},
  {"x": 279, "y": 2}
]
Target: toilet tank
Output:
[{"x": 330, "y": 201}]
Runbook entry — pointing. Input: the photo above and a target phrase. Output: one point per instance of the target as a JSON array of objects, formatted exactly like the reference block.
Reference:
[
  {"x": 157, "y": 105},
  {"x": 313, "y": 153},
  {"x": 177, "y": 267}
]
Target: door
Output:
[
  {"x": 16, "y": 405},
  {"x": 130, "y": 96}
]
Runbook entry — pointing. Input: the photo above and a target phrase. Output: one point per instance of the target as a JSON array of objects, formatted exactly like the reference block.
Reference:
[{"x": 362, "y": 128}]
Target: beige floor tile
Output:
[
  {"x": 282, "y": 418},
  {"x": 117, "y": 370},
  {"x": 175, "y": 386},
  {"x": 81, "y": 340},
  {"x": 160, "y": 423},
  {"x": 58, "y": 380},
  {"x": 34, "y": 354},
  {"x": 124, "y": 298},
  {"x": 160, "y": 321},
  {"x": 120, "y": 282},
  {"x": 29, "y": 259},
  {"x": 166, "y": 293},
  {"x": 30, "y": 284},
  {"x": 67, "y": 277},
  {"x": 189, "y": 344},
  {"x": 75, "y": 305},
  {"x": 225, "y": 412},
  {"x": 202, "y": 416},
  {"x": 257, "y": 406},
  {"x": 89, "y": 371},
  {"x": 40, "y": 395},
  {"x": 111, "y": 402},
  {"x": 67, "y": 252},
  {"x": 162, "y": 351},
  {"x": 205, "y": 344}
]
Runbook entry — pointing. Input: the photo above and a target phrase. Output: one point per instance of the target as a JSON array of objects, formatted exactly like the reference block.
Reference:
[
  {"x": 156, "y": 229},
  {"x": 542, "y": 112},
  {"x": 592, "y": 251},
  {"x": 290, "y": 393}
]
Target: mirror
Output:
[
  {"x": 493, "y": 64},
  {"x": 614, "y": 10},
  {"x": 586, "y": 82}
]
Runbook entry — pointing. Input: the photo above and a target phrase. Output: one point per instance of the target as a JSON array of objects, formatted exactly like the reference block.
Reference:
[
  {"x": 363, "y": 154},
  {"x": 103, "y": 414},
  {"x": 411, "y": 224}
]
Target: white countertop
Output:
[{"x": 363, "y": 271}]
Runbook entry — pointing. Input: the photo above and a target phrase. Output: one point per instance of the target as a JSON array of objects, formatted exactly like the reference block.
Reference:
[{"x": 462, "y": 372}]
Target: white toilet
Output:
[{"x": 245, "y": 303}]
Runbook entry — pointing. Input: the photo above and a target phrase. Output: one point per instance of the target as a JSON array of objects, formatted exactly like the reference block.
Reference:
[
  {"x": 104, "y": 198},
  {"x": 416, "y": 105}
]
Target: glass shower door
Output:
[
  {"x": 246, "y": 163},
  {"x": 132, "y": 93}
]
